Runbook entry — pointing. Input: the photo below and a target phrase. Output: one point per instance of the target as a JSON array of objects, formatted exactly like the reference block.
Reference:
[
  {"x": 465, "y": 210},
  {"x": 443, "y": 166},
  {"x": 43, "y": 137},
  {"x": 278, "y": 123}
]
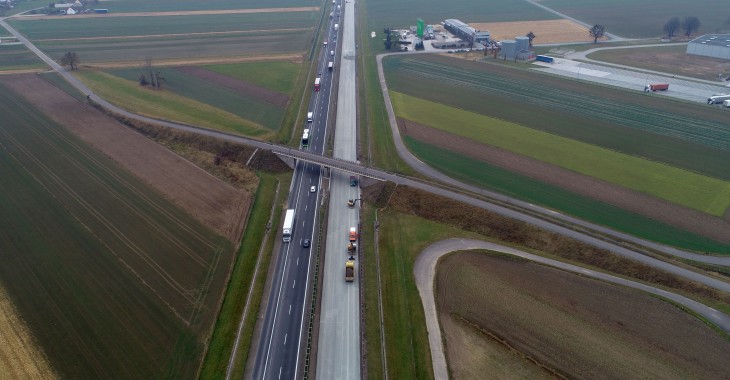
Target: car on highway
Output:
[
  {"x": 332, "y": 52},
  {"x": 306, "y": 243},
  {"x": 313, "y": 189}
]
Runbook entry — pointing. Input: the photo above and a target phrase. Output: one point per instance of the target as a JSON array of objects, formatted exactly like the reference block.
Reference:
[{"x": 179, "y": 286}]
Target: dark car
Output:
[{"x": 306, "y": 243}]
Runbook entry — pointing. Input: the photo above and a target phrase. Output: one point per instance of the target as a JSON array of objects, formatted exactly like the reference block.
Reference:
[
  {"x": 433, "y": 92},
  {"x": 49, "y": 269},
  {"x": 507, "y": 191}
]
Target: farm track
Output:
[{"x": 622, "y": 113}]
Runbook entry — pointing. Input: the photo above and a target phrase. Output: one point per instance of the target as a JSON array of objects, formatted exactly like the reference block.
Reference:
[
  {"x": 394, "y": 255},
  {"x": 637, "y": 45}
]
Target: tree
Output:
[
  {"x": 690, "y": 24},
  {"x": 71, "y": 59},
  {"x": 596, "y": 32},
  {"x": 672, "y": 26},
  {"x": 388, "y": 36},
  {"x": 531, "y": 36}
]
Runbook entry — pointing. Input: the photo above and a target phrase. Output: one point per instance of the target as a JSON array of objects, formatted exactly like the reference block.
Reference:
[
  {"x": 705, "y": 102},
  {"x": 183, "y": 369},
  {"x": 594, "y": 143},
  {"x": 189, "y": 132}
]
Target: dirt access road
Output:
[{"x": 425, "y": 271}]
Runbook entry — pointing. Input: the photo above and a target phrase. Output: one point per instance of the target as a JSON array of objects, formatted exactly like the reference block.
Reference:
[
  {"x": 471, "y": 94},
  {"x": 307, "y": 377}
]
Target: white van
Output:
[
  {"x": 332, "y": 53},
  {"x": 310, "y": 115}
]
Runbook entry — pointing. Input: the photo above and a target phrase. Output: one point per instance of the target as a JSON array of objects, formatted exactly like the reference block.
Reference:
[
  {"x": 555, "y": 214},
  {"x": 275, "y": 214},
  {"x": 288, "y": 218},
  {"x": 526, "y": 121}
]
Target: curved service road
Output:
[{"x": 425, "y": 271}]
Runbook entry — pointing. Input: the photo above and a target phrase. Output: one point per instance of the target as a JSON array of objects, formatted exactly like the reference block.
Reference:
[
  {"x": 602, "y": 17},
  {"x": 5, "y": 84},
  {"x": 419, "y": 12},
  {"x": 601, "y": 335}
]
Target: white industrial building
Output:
[{"x": 711, "y": 45}]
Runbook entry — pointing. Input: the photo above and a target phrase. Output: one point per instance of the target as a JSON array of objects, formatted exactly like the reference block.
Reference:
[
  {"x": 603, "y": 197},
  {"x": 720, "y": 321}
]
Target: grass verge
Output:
[{"x": 226, "y": 327}]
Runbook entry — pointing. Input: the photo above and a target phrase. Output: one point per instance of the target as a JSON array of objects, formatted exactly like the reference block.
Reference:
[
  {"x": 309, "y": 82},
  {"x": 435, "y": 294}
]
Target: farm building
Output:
[
  {"x": 517, "y": 49},
  {"x": 465, "y": 32},
  {"x": 711, "y": 45}
]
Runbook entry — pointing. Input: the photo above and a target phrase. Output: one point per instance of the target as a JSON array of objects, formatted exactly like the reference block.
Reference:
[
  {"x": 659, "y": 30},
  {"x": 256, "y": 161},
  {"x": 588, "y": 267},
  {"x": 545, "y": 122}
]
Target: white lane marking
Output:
[
  {"x": 289, "y": 309},
  {"x": 285, "y": 336},
  {"x": 297, "y": 261},
  {"x": 294, "y": 283},
  {"x": 280, "y": 372}
]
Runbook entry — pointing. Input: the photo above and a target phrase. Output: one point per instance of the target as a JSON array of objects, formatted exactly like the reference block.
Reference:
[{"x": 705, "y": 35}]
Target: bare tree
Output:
[
  {"x": 149, "y": 75},
  {"x": 71, "y": 59},
  {"x": 672, "y": 26},
  {"x": 596, "y": 32},
  {"x": 690, "y": 24},
  {"x": 531, "y": 36}
]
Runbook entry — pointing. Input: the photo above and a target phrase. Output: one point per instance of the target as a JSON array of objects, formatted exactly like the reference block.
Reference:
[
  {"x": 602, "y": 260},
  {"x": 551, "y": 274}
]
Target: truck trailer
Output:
[
  {"x": 349, "y": 271},
  {"x": 656, "y": 87},
  {"x": 726, "y": 103},
  {"x": 718, "y": 98},
  {"x": 545, "y": 58},
  {"x": 288, "y": 225}
]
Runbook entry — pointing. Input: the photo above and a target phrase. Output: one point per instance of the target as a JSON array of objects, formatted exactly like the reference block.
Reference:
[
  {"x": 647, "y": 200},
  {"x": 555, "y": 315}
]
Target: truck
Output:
[
  {"x": 316, "y": 84},
  {"x": 353, "y": 234},
  {"x": 305, "y": 138},
  {"x": 545, "y": 58},
  {"x": 351, "y": 248},
  {"x": 726, "y": 103},
  {"x": 349, "y": 271},
  {"x": 718, "y": 98},
  {"x": 656, "y": 87},
  {"x": 330, "y": 66},
  {"x": 288, "y": 225},
  {"x": 337, "y": 27}
]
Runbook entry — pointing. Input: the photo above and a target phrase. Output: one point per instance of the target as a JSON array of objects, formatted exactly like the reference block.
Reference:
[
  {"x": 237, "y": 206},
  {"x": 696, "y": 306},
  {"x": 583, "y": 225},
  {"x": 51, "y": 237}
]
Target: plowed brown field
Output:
[
  {"x": 528, "y": 320},
  {"x": 208, "y": 199},
  {"x": 546, "y": 31}
]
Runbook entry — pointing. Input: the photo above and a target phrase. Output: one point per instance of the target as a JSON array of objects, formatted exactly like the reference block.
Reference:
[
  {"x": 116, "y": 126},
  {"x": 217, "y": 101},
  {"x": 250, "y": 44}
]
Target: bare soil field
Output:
[
  {"x": 176, "y": 13},
  {"x": 21, "y": 357},
  {"x": 213, "y": 202},
  {"x": 666, "y": 212},
  {"x": 566, "y": 325},
  {"x": 250, "y": 89},
  {"x": 546, "y": 31}
]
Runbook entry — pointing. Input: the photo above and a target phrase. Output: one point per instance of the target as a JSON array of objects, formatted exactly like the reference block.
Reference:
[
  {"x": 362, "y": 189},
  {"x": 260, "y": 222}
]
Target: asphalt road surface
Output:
[
  {"x": 338, "y": 348},
  {"x": 424, "y": 270},
  {"x": 279, "y": 352}
]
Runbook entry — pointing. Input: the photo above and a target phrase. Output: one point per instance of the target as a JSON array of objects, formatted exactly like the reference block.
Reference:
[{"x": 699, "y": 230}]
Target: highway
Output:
[
  {"x": 338, "y": 348},
  {"x": 292, "y": 255},
  {"x": 279, "y": 352}
]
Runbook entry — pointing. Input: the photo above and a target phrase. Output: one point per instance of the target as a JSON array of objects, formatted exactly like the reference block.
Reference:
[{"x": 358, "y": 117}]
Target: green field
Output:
[
  {"x": 403, "y": 13},
  {"x": 167, "y": 105},
  {"x": 197, "y": 89},
  {"x": 677, "y": 133},
  {"x": 182, "y": 46},
  {"x": 70, "y": 28},
  {"x": 18, "y": 57},
  {"x": 642, "y": 18},
  {"x": 279, "y": 76},
  {"x": 690, "y": 189},
  {"x": 113, "y": 280},
  {"x": 503, "y": 181},
  {"x": 195, "y": 5}
]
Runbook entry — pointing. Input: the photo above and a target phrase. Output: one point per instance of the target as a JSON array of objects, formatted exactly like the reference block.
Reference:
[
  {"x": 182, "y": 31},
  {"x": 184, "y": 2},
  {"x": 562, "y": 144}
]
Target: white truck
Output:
[
  {"x": 718, "y": 98},
  {"x": 288, "y": 225},
  {"x": 337, "y": 27},
  {"x": 726, "y": 103}
]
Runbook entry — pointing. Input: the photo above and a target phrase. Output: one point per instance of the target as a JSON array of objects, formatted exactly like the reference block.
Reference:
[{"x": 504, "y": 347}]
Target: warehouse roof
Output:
[{"x": 713, "y": 39}]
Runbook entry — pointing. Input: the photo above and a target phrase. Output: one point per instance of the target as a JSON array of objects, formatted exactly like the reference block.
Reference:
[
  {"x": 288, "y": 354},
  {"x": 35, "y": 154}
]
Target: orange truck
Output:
[
  {"x": 353, "y": 234},
  {"x": 656, "y": 87}
]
